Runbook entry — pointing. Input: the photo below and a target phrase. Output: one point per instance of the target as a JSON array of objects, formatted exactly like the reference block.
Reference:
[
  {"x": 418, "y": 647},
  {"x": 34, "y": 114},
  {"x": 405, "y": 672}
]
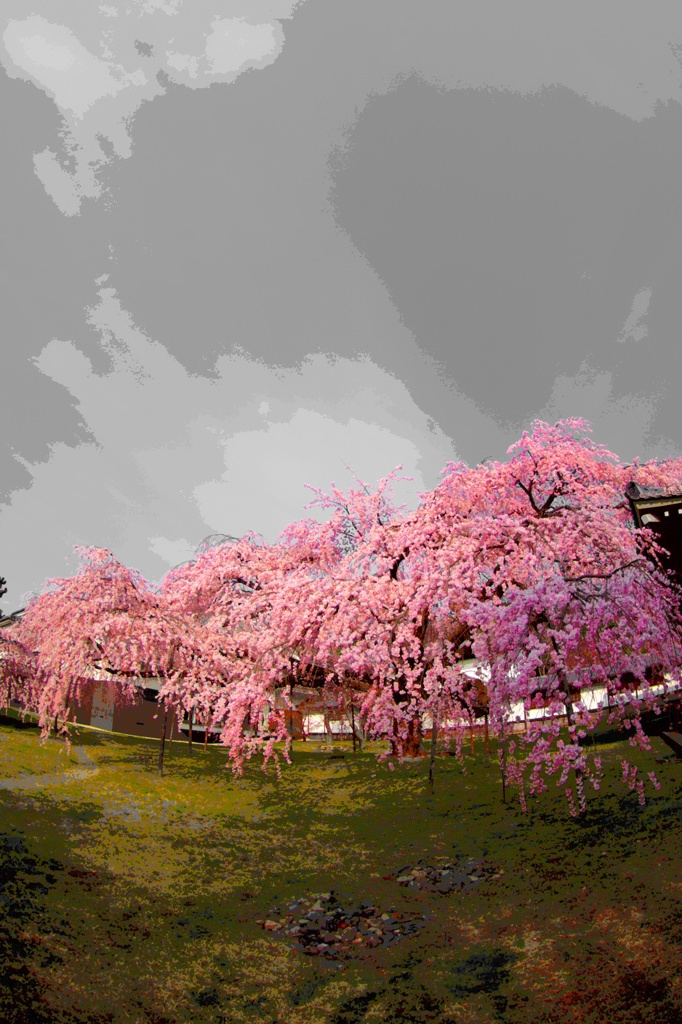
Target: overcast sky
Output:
[{"x": 242, "y": 251}]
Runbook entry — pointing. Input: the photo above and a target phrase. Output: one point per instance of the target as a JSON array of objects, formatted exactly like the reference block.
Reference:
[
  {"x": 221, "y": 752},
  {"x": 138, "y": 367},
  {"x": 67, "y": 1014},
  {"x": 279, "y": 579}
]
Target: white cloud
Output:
[
  {"x": 266, "y": 470},
  {"x": 183, "y": 62},
  {"x": 625, "y": 422},
  {"x": 41, "y": 51},
  {"x": 97, "y": 96},
  {"x": 633, "y": 329},
  {"x": 173, "y": 551},
  {"x": 233, "y": 43},
  {"x": 67, "y": 190},
  {"x": 175, "y": 456},
  {"x": 169, "y": 7},
  {"x": 57, "y": 60},
  {"x": 523, "y": 48}
]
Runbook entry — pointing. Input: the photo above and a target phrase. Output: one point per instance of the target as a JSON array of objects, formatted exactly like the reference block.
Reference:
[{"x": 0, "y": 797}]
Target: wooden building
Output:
[{"x": 662, "y": 513}]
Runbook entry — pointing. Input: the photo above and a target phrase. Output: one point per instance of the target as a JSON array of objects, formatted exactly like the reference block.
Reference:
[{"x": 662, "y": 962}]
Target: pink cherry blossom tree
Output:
[
  {"x": 336, "y": 615},
  {"x": 534, "y": 562},
  {"x": 19, "y": 676},
  {"x": 239, "y": 590},
  {"x": 568, "y": 586},
  {"x": 106, "y": 620}
]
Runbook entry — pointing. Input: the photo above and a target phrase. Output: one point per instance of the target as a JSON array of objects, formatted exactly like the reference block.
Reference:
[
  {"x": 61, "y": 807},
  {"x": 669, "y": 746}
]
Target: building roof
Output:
[
  {"x": 9, "y": 620},
  {"x": 640, "y": 493}
]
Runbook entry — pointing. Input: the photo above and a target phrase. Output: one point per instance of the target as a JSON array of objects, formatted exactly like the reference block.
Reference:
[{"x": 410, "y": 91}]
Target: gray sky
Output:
[{"x": 243, "y": 251}]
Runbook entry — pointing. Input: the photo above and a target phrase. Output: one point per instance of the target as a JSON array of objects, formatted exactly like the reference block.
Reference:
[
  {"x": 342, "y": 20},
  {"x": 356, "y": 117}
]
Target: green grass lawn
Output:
[{"x": 130, "y": 897}]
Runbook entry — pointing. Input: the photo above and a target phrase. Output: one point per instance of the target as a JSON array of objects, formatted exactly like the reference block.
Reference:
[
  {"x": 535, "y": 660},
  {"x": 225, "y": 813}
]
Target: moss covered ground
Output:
[{"x": 127, "y": 897}]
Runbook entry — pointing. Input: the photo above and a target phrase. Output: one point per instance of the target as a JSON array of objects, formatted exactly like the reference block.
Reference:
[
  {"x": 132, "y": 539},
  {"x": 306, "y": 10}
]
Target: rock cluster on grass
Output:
[
  {"x": 322, "y": 926},
  {"x": 446, "y": 877}
]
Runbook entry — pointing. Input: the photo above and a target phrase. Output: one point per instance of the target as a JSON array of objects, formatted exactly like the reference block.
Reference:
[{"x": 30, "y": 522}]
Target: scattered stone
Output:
[
  {"x": 339, "y": 931},
  {"x": 448, "y": 876},
  {"x": 322, "y": 925}
]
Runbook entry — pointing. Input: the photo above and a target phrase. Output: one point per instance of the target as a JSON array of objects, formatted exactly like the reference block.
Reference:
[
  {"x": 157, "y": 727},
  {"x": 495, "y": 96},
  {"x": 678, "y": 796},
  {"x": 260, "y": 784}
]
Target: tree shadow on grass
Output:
[{"x": 24, "y": 879}]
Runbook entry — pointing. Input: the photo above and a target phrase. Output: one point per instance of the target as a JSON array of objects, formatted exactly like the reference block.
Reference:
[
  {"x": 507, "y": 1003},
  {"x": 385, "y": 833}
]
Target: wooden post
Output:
[{"x": 471, "y": 733}]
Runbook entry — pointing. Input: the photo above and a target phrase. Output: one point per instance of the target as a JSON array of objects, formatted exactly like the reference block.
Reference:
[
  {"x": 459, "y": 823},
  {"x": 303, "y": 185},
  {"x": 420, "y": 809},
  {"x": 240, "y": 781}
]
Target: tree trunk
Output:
[
  {"x": 68, "y": 709},
  {"x": 352, "y": 724},
  {"x": 434, "y": 739},
  {"x": 471, "y": 733},
  {"x": 361, "y": 734},
  {"x": 503, "y": 765},
  {"x": 163, "y": 740},
  {"x": 487, "y": 746},
  {"x": 208, "y": 719},
  {"x": 291, "y": 721},
  {"x": 568, "y": 704},
  {"x": 570, "y": 720},
  {"x": 266, "y": 715},
  {"x": 412, "y": 745},
  {"x": 191, "y": 720},
  {"x": 358, "y": 731}
]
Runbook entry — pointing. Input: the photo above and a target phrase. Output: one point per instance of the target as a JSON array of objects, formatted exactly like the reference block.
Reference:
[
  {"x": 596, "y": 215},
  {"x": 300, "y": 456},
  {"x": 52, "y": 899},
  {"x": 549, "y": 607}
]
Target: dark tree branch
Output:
[
  {"x": 602, "y": 576},
  {"x": 544, "y": 509},
  {"x": 396, "y": 565}
]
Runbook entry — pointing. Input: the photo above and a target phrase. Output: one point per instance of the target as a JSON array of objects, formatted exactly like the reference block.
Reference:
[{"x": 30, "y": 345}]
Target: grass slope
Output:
[{"x": 130, "y": 898}]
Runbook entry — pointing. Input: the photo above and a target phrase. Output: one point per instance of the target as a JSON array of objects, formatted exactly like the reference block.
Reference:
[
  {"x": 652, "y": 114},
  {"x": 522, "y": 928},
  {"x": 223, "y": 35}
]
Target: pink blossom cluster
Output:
[{"x": 533, "y": 566}]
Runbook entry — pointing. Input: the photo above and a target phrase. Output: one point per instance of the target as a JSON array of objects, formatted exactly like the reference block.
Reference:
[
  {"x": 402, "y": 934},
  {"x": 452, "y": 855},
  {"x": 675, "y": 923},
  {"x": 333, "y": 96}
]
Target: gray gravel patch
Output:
[{"x": 40, "y": 781}]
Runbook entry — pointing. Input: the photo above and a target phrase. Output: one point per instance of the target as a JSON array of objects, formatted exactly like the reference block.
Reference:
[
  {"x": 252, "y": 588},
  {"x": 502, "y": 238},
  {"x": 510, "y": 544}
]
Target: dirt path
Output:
[{"x": 38, "y": 781}]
